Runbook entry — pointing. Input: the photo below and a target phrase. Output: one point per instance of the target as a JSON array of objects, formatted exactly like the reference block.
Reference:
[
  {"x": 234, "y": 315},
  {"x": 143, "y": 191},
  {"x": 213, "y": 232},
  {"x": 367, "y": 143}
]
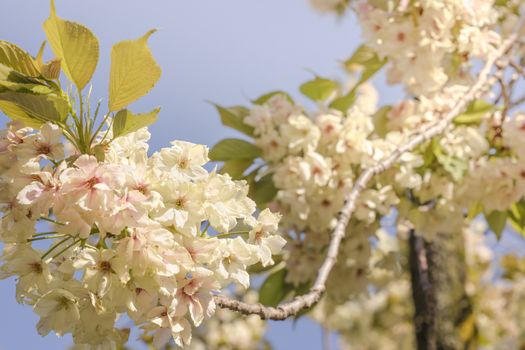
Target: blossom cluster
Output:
[
  {"x": 430, "y": 43},
  {"x": 313, "y": 159},
  {"x": 150, "y": 237}
]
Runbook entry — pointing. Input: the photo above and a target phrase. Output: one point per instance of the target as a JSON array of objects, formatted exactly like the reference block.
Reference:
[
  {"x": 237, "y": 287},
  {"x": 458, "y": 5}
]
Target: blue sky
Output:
[{"x": 225, "y": 51}]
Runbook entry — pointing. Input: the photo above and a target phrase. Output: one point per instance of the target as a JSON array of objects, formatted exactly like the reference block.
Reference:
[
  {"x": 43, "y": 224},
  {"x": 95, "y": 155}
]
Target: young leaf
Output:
[
  {"x": 17, "y": 59},
  {"x": 234, "y": 118},
  {"x": 497, "y": 220},
  {"x": 272, "y": 290},
  {"x": 343, "y": 103},
  {"x": 264, "y": 98},
  {"x": 236, "y": 167},
  {"x": 516, "y": 216},
  {"x": 75, "y": 45},
  {"x": 40, "y": 107},
  {"x": 367, "y": 59},
  {"x": 264, "y": 190},
  {"x": 133, "y": 71},
  {"x": 380, "y": 120},
  {"x": 51, "y": 69},
  {"x": 6, "y": 85},
  {"x": 229, "y": 149},
  {"x": 319, "y": 89},
  {"x": 454, "y": 166},
  {"x": 360, "y": 57},
  {"x": 15, "y": 112},
  {"x": 126, "y": 121},
  {"x": 474, "y": 113}
]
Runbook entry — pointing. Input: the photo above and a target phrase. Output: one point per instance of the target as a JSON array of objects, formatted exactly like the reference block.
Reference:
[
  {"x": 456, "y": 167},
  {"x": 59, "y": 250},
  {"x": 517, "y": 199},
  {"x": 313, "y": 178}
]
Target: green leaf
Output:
[
  {"x": 380, "y": 120},
  {"x": 51, "y": 69},
  {"x": 474, "y": 210},
  {"x": 516, "y": 216},
  {"x": 40, "y": 107},
  {"x": 133, "y": 73},
  {"x": 264, "y": 190},
  {"x": 367, "y": 59},
  {"x": 272, "y": 290},
  {"x": 454, "y": 166},
  {"x": 360, "y": 57},
  {"x": 343, "y": 103},
  {"x": 230, "y": 149},
  {"x": 75, "y": 45},
  {"x": 264, "y": 98},
  {"x": 126, "y": 121},
  {"x": 14, "y": 112},
  {"x": 23, "y": 87},
  {"x": 474, "y": 113},
  {"x": 234, "y": 118},
  {"x": 319, "y": 89},
  {"x": 259, "y": 268},
  {"x": 497, "y": 220},
  {"x": 236, "y": 167},
  {"x": 17, "y": 59}
]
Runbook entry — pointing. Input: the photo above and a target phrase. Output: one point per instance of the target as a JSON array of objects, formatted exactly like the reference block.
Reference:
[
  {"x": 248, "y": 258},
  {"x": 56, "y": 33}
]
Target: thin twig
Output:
[{"x": 291, "y": 308}]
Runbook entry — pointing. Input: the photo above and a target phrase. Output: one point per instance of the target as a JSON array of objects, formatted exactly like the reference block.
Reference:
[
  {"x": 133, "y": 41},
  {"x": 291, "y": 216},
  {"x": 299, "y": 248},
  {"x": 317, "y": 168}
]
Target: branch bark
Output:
[
  {"x": 423, "y": 294},
  {"x": 483, "y": 83}
]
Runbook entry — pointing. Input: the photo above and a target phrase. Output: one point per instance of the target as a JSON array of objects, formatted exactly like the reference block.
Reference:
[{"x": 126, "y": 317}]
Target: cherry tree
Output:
[{"x": 369, "y": 218}]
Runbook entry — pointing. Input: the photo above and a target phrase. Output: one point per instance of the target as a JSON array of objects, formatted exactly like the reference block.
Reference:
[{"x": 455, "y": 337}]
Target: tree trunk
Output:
[{"x": 438, "y": 274}]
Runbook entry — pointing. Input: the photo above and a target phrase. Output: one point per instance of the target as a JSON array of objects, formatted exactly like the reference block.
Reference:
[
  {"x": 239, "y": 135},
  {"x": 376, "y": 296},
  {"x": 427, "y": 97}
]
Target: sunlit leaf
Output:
[
  {"x": 380, "y": 120},
  {"x": 17, "y": 59},
  {"x": 39, "y": 107},
  {"x": 126, "y": 121},
  {"x": 234, "y": 118},
  {"x": 516, "y": 216},
  {"x": 343, "y": 103},
  {"x": 474, "y": 113},
  {"x": 264, "y": 98},
  {"x": 15, "y": 112},
  {"x": 6, "y": 85},
  {"x": 75, "y": 45},
  {"x": 133, "y": 71},
  {"x": 319, "y": 89},
  {"x": 364, "y": 58},
  {"x": 229, "y": 149}
]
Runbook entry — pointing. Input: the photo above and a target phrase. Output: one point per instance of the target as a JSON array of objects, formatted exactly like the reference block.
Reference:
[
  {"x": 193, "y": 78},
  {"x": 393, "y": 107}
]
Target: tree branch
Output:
[{"x": 484, "y": 82}]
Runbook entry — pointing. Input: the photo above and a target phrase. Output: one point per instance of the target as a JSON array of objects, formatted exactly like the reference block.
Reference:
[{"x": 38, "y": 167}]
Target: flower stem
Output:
[{"x": 55, "y": 246}]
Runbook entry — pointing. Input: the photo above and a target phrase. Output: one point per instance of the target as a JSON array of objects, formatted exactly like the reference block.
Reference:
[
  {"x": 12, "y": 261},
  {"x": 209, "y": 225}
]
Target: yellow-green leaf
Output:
[
  {"x": 236, "y": 167},
  {"x": 24, "y": 87},
  {"x": 75, "y": 45},
  {"x": 133, "y": 72},
  {"x": 343, "y": 103},
  {"x": 234, "y": 118},
  {"x": 229, "y": 149},
  {"x": 497, "y": 221},
  {"x": 14, "y": 112},
  {"x": 319, "y": 89},
  {"x": 474, "y": 113},
  {"x": 264, "y": 98},
  {"x": 51, "y": 69},
  {"x": 40, "y": 107},
  {"x": 125, "y": 121},
  {"x": 17, "y": 59}
]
